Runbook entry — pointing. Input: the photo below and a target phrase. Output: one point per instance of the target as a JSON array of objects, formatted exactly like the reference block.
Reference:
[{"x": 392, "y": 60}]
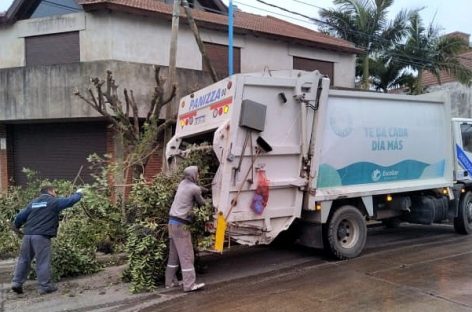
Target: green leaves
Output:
[
  {"x": 69, "y": 259},
  {"x": 81, "y": 230},
  {"x": 97, "y": 220},
  {"x": 147, "y": 250}
]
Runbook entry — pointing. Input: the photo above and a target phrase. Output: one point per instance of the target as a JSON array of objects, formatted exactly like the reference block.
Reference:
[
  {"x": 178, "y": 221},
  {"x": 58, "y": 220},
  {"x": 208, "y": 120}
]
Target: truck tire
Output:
[
  {"x": 345, "y": 233},
  {"x": 463, "y": 221}
]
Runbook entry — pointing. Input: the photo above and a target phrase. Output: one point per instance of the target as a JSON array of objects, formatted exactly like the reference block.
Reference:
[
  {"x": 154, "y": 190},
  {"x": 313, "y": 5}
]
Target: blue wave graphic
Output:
[{"x": 367, "y": 172}]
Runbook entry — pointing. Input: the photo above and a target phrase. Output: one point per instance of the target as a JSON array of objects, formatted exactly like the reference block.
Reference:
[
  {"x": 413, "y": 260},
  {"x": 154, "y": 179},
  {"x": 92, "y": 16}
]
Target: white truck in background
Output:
[{"x": 336, "y": 159}]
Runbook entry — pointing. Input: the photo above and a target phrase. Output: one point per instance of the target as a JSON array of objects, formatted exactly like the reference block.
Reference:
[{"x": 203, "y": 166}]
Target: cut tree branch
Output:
[{"x": 198, "y": 38}]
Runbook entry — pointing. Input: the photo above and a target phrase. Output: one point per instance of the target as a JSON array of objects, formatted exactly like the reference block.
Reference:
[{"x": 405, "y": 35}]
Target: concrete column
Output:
[{"x": 3, "y": 159}]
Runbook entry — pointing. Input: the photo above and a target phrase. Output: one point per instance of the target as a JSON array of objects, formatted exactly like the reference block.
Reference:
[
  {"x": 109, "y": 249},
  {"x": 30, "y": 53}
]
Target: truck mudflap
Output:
[
  {"x": 311, "y": 234},
  {"x": 454, "y": 203}
]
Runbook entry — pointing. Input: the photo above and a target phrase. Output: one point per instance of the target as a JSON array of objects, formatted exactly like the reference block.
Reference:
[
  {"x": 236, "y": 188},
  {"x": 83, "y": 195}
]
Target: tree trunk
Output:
[
  {"x": 419, "y": 82},
  {"x": 365, "y": 72}
]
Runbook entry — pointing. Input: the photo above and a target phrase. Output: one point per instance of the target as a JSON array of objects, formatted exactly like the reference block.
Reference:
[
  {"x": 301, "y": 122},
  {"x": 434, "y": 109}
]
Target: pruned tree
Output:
[{"x": 140, "y": 132}]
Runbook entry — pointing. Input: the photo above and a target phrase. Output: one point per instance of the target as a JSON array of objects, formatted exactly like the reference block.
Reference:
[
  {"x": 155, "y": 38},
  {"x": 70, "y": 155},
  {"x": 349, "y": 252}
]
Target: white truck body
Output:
[{"x": 330, "y": 149}]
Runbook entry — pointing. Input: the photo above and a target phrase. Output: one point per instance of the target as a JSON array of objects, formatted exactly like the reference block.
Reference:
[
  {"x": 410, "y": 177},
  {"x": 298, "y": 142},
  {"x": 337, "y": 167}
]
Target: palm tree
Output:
[
  {"x": 425, "y": 50},
  {"x": 365, "y": 23},
  {"x": 387, "y": 73}
]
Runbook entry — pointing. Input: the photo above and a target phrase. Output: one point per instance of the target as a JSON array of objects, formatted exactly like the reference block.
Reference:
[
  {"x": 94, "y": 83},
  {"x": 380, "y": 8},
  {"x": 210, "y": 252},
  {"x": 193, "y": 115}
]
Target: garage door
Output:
[{"x": 55, "y": 151}]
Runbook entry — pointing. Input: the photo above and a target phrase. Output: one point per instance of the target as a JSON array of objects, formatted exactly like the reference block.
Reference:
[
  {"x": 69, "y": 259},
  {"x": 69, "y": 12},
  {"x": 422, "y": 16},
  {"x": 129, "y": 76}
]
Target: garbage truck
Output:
[{"x": 326, "y": 162}]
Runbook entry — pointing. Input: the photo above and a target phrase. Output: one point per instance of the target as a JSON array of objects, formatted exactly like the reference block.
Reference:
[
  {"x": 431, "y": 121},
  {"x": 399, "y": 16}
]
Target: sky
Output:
[{"x": 451, "y": 15}]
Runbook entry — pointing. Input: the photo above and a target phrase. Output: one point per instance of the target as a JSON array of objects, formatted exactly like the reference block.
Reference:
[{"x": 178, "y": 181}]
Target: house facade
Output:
[{"x": 50, "y": 48}]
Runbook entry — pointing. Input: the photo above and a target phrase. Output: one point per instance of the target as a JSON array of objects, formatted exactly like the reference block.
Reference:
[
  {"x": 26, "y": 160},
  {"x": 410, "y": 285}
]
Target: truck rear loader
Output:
[{"x": 334, "y": 159}]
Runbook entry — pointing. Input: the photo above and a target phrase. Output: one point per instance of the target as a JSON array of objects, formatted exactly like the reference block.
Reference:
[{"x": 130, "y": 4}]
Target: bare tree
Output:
[{"x": 139, "y": 134}]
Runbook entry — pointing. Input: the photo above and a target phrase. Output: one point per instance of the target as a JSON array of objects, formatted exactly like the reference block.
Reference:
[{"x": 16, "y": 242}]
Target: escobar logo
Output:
[
  {"x": 207, "y": 98},
  {"x": 341, "y": 123}
]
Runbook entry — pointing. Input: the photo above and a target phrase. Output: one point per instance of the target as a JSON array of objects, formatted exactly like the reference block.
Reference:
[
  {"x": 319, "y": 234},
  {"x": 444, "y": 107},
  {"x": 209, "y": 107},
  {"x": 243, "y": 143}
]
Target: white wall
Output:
[
  {"x": 460, "y": 97},
  {"x": 131, "y": 38},
  {"x": 12, "y": 47},
  {"x": 124, "y": 37},
  {"x": 95, "y": 43},
  {"x": 148, "y": 39},
  {"x": 263, "y": 53}
]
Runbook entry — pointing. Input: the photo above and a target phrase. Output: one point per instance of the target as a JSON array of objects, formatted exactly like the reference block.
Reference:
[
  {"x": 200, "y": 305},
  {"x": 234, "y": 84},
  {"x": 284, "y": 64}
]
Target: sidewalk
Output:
[{"x": 105, "y": 292}]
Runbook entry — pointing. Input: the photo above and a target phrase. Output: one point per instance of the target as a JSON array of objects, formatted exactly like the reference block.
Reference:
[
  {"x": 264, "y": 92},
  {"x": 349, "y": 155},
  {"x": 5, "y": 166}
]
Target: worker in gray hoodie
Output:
[{"x": 180, "y": 240}]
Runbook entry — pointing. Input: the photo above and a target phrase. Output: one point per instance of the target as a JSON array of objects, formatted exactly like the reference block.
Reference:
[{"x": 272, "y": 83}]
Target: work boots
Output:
[
  {"x": 17, "y": 289},
  {"x": 195, "y": 287}
]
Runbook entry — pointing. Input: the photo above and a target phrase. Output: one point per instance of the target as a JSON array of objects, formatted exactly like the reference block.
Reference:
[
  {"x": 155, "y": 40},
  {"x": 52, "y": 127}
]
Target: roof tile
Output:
[{"x": 430, "y": 80}]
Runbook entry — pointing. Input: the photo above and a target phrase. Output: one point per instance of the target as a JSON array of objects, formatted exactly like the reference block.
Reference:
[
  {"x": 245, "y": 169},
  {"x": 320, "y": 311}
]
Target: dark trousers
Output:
[
  {"x": 180, "y": 252},
  {"x": 39, "y": 247}
]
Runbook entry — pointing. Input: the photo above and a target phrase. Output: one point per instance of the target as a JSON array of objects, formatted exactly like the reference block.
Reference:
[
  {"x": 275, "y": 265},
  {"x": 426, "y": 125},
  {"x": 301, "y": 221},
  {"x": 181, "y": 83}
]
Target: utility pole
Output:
[
  {"x": 230, "y": 37},
  {"x": 173, "y": 46},
  {"x": 172, "y": 71}
]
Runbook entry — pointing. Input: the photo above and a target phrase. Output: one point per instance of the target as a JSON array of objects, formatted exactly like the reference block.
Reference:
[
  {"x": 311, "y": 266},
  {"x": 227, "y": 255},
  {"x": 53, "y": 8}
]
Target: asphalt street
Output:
[{"x": 412, "y": 268}]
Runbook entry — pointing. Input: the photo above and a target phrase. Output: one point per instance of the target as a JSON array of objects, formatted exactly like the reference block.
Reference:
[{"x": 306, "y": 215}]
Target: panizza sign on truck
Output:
[
  {"x": 207, "y": 98},
  {"x": 330, "y": 159},
  {"x": 204, "y": 109}
]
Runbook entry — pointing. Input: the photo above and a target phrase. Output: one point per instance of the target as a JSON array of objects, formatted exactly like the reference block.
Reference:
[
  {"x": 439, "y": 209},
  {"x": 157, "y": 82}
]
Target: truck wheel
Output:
[
  {"x": 463, "y": 221},
  {"x": 346, "y": 233}
]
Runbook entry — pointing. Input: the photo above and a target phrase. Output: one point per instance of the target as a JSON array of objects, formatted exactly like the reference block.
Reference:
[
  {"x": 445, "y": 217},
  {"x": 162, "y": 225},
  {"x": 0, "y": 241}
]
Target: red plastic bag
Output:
[{"x": 259, "y": 201}]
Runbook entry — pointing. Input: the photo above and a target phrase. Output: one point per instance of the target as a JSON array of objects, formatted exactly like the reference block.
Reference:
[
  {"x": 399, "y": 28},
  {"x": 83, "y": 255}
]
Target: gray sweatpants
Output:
[
  {"x": 39, "y": 247},
  {"x": 180, "y": 251}
]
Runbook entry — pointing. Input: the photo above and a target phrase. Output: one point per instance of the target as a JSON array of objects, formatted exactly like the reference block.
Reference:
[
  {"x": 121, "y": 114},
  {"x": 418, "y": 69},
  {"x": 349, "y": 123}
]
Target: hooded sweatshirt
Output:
[{"x": 187, "y": 194}]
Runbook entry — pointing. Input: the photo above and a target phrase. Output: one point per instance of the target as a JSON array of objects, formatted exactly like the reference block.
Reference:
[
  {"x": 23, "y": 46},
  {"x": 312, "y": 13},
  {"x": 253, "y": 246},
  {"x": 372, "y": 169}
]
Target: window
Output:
[
  {"x": 218, "y": 55},
  {"x": 53, "y": 49},
  {"x": 325, "y": 68},
  {"x": 466, "y": 131}
]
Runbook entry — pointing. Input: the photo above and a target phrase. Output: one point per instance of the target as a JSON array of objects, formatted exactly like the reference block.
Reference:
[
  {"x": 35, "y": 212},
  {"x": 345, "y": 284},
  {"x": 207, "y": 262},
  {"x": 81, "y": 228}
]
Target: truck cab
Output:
[{"x": 462, "y": 134}]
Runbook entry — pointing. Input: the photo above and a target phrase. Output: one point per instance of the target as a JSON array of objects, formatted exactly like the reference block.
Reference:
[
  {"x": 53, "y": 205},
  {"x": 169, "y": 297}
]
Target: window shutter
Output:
[
  {"x": 325, "y": 68},
  {"x": 218, "y": 55},
  {"x": 53, "y": 49}
]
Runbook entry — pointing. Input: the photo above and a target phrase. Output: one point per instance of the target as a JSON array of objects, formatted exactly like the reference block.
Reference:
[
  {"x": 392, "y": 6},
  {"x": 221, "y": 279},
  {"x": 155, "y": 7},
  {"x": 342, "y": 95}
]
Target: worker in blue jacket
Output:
[{"x": 40, "y": 220}]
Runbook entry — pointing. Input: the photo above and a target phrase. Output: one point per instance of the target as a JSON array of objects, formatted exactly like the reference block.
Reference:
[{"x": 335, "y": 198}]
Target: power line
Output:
[
  {"x": 308, "y": 4},
  {"x": 289, "y": 11},
  {"x": 400, "y": 58},
  {"x": 275, "y": 13},
  {"x": 350, "y": 30}
]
